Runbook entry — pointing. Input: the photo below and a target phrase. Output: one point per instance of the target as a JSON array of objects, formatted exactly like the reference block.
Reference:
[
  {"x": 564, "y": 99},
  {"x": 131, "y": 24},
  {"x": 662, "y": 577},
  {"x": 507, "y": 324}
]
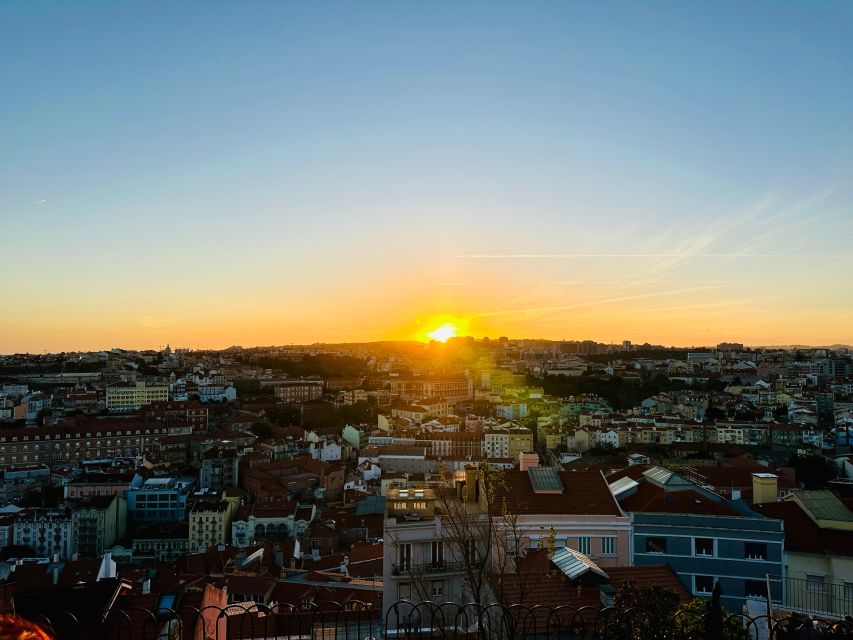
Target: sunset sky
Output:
[{"x": 214, "y": 173}]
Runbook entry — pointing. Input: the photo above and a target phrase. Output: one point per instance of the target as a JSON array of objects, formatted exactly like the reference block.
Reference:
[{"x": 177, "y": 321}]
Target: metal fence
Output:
[
  {"x": 406, "y": 620},
  {"x": 812, "y": 595}
]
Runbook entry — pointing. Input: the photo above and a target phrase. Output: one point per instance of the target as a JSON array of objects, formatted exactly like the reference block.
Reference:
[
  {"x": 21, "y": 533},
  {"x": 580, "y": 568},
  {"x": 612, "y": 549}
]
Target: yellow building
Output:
[
  {"x": 520, "y": 441},
  {"x": 818, "y": 548},
  {"x": 210, "y": 523},
  {"x": 130, "y": 396}
]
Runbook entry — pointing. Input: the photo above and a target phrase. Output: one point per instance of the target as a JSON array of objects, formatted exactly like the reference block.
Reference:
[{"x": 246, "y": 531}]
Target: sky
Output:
[{"x": 214, "y": 173}]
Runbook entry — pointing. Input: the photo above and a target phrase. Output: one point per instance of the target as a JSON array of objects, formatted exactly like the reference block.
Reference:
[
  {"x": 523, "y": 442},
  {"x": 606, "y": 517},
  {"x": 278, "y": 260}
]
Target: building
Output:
[
  {"x": 576, "y": 508},
  {"x": 298, "y": 391},
  {"x": 96, "y": 523},
  {"x": 158, "y": 499},
  {"x": 161, "y": 542},
  {"x": 210, "y": 523},
  {"x": 194, "y": 414},
  {"x": 74, "y": 443},
  {"x": 704, "y": 537},
  {"x": 412, "y": 390},
  {"x": 420, "y": 561},
  {"x": 254, "y": 523},
  {"x": 48, "y": 532},
  {"x": 219, "y": 469},
  {"x": 818, "y": 550},
  {"x": 98, "y": 484},
  {"x": 129, "y": 397}
]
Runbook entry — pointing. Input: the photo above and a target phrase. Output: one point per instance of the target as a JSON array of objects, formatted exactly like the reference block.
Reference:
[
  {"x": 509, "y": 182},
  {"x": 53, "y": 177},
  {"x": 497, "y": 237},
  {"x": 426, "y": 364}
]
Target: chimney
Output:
[
  {"x": 527, "y": 460},
  {"x": 765, "y": 488}
]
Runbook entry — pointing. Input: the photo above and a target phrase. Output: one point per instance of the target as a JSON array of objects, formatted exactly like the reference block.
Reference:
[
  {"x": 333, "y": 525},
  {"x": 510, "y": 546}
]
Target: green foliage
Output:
[
  {"x": 324, "y": 365},
  {"x": 252, "y": 388},
  {"x": 657, "y": 613},
  {"x": 813, "y": 471},
  {"x": 262, "y": 430},
  {"x": 618, "y": 393}
]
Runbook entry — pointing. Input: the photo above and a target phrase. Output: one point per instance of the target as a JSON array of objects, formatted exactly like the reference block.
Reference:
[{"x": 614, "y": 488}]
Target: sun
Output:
[{"x": 443, "y": 333}]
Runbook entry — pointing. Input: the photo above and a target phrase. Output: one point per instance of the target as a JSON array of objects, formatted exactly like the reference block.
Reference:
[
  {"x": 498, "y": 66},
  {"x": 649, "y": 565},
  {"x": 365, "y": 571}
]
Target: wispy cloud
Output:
[
  {"x": 709, "y": 282},
  {"x": 590, "y": 303},
  {"x": 39, "y": 202}
]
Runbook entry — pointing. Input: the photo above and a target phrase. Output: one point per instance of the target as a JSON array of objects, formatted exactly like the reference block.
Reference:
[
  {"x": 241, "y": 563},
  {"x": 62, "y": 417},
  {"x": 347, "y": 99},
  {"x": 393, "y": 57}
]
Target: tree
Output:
[
  {"x": 813, "y": 471},
  {"x": 262, "y": 430},
  {"x": 480, "y": 532},
  {"x": 656, "y": 612}
]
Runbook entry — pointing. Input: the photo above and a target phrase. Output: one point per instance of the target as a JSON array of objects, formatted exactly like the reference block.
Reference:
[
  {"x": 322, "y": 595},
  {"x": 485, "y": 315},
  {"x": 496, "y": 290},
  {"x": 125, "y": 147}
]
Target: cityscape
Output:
[{"x": 426, "y": 321}]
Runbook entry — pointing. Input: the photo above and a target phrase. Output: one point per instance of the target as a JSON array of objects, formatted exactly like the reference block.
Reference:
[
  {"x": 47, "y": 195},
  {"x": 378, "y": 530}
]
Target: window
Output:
[
  {"x": 848, "y": 595},
  {"x": 814, "y": 583},
  {"x": 754, "y": 589},
  {"x": 608, "y": 546},
  {"x": 404, "y": 557},
  {"x": 655, "y": 545},
  {"x": 755, "y": 550},
  {"x": 437, "y": 553},
  {"x": 470, "y": 551},
  {"x": 584, "y": 544},
  {"x": 437, "y": 589},
  {"x": 404, "y": 591},
  {"x": 703, "y": 546},
  {"x": 703, "y": 584}
]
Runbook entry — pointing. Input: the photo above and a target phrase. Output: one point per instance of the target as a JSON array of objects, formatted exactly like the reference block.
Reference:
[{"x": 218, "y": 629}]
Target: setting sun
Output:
[{"x": 443, "y": 333}]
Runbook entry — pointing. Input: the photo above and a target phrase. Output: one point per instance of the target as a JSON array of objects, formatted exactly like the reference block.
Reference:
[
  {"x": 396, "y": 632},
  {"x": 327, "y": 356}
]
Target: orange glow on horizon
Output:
[{"x": 443, "y": 333}]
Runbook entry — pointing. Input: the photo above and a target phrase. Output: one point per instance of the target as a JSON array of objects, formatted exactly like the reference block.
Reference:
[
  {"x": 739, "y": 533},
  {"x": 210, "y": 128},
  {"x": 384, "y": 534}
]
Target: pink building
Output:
[{"x": 578, "y": 505}]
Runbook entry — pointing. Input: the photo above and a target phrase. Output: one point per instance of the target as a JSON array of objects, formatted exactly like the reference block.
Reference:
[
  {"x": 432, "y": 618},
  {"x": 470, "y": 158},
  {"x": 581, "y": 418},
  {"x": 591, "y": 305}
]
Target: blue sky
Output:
[{"x": 268, "y": 172}]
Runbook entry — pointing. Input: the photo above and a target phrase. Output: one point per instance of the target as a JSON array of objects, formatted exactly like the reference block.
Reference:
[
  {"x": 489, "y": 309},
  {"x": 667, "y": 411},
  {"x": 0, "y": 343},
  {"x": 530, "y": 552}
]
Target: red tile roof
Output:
[
  {"x": 650, "y": 498},
  {"x": 802, "y": 535},
  {"x": 584, "y": 492}
]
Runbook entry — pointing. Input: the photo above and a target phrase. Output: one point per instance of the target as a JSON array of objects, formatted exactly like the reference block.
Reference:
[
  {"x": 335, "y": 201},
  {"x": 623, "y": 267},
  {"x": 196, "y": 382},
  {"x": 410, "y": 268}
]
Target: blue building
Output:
[
  {"x": 701, "y": 535},
  {"x": 158, "y": 499}
]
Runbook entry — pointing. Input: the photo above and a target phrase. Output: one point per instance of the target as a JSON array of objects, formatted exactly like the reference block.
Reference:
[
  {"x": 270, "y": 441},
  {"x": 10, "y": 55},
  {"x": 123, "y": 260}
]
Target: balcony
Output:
[
  {"x": 815, "y": 595},
  {"x": 432, "y": 568}
]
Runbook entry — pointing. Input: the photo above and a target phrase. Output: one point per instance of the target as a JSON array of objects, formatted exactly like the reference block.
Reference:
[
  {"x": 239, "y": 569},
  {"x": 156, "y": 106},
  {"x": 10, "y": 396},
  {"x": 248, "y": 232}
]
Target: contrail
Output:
[{"x": 535, "y": 256}]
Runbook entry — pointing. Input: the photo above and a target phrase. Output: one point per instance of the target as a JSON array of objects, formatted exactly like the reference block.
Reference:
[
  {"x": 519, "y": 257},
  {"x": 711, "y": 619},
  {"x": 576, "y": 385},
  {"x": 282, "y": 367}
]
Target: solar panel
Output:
[
  {"x": 658, "y": 475},
  {"x": 545, "y": 480},
  {"x": 622, "y": 485},
  {"x": 823, "y": 505},
  {"x": 573, "y": 563}
]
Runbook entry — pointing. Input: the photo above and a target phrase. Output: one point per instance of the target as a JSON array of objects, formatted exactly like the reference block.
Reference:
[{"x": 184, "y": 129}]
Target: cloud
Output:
[{"x": 39, "y": 202}]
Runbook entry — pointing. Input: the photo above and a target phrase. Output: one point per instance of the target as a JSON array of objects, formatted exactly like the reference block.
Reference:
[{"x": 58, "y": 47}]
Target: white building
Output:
[{"x": 46, "y": 531}]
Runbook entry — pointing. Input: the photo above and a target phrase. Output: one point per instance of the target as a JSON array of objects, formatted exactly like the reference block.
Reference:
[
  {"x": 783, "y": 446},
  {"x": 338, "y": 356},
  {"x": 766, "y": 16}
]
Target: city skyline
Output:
[{"x": 270, "y": 173}]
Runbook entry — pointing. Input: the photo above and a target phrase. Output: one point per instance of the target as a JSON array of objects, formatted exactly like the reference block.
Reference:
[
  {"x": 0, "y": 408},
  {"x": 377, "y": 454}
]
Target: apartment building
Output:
[
  {"x": 219, "y": 469},
  {"x": 415, "y": 389},
  {"x": 96, "y": 523},
  {"x": 158, "y": 499},
  {"x": 48, "y": 532},
  {"x": 298, "y": 391},
  {"x": 210, "y": 523},
  {"x": 129, "y": 397},
  {"x": 420, "y": 559},
  {"x": 73, "y": 443},
  {"x": 704, "y": 537}
]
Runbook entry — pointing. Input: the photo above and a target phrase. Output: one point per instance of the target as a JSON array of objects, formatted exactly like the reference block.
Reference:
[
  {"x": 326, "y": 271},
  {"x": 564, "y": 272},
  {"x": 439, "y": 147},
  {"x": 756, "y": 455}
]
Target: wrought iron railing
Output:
[{"x": 405, "y": 620}]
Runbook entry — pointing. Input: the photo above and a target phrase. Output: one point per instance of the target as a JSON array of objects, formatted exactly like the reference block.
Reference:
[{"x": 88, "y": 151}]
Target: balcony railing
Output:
[
  {"x": 812, "y": 595},
  {"x": 405, "y": 620},
  {"x": 432, "y": 568}
]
